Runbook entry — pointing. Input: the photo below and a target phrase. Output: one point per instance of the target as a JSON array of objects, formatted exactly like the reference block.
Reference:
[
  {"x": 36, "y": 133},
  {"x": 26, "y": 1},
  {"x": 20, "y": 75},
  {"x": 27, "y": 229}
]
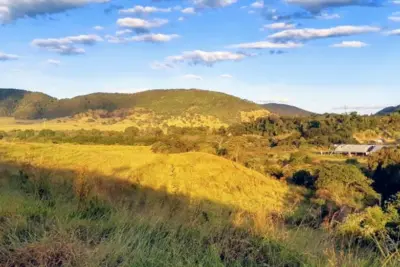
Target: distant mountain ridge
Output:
[
  {"x": 24, "y": 104},
  {"x": 389, "y": 110},
  {"x": 287, "y": 110}
]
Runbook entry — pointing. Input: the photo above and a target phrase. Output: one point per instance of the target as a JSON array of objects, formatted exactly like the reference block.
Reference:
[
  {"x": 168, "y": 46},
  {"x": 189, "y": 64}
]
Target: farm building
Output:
[{"x": 357, "y": 150}]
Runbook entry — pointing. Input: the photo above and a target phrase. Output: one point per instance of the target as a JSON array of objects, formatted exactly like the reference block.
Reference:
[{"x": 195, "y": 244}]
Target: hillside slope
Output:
[
  {"x": 29, "y": 105},
  {"x": 23, "y": 104},
  {"x": 196, "y": 175},
  {"x": 389, "y": 110},
  {"x": 287, "y": 110}
]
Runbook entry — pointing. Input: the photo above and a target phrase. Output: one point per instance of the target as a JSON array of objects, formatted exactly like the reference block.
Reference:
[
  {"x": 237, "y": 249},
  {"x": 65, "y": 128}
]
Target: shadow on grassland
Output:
[{"x": 58, "y": 217}]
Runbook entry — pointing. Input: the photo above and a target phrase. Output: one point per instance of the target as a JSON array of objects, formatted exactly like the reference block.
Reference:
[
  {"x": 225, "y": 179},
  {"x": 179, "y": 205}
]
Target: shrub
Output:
[
  {"x": 174, "y": 145},
  {"x": 237, "y": 129},
  {"x": 47, "y": 133},
  {"x": 366, "y": 224},
  {"x": 132, "y": 131},
  {"x": 3, "y": 134},
  {"x": 385, "y": 167},
  {"x": 303, "y": 178},
  {"x": 221, "y": 151},
  {"x": 274, "y": 171},
  {"x": 344, "y": 185},
  {"x": 354, "y": 162},
  {"x": 298, "y": 158}
]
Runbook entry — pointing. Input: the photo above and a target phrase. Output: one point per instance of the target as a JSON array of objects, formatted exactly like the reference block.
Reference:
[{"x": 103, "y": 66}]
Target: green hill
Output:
[
  {"x": 389, "y": 110},
  {"x": 23, "y": 104},
  {"x": 30, "y": 105},
  {"x": 287, "y": 110}
]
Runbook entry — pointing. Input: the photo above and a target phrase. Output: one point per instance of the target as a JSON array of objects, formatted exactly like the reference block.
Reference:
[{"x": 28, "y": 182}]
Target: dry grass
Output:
[
  {"x": 190, "y": 209},
  {"x": 196, "y": 175},
  {"x": 142, "y": 120}
]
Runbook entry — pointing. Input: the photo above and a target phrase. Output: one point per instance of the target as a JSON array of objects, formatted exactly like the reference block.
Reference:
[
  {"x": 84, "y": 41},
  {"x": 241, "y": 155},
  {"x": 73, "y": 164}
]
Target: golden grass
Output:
[
  {"x": 248, "y": 116},
  {"x": 369, "y": 136},
  {"x": 140, "y": 120},
  {"x": 196, "y": 175}
]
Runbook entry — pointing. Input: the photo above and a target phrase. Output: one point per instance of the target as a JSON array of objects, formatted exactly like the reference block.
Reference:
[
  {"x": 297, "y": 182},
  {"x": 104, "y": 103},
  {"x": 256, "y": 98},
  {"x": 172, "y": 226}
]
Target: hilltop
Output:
[
  {"x": 389, "y": 110},
  {"x": 287, "y": 110},
  {"x": 23, "y": 104}
]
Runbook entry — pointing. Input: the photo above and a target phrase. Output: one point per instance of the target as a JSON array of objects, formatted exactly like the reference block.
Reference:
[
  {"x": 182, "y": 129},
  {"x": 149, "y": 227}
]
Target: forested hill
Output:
[
  {"x": 287, "y": 110},
  {"x": 175, "y": 102},
  {"x": 389, "y": 110},
  {"x": 24, "y": 104}
]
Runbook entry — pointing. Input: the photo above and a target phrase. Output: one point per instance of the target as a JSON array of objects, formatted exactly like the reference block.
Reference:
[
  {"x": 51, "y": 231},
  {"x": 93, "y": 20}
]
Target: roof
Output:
[
  {"x": 379, "y": 147},
  {"x": 354, "y": 148},
  {"x": 345, "y": 149}
]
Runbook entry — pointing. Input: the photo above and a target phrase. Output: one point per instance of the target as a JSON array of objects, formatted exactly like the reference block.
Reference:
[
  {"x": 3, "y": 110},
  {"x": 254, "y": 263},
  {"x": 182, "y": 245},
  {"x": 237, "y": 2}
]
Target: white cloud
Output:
[
  {"x": 7, "y": 57},
  {"x": 279, "y": 26},
  {"x": 213, "y": 3},
  {"x": 16, "y": 9},
  {"x": 251, "y": 12},
  {"x": 115, "y": 39},
  {"x": 188, "y": 10},
  {"x": 181, "y": 19},
  {"x": 141, "y": 25},
  {"x": 226, "y": 76},
  {"x": 319, "y": 5},
  {"x": 66, "y": 45},
  {"x": 150, "y": 37},
  {"x": 144, "y": 10},
  {"x": 154, "y": 37},
  {"x": 267, "y": 45},
  {"x": 123, "y": 32},
  {"x": 394, "y": 18},
  {"x": 311, "y": 33},
  {"x": 396, "y": 2},
  {"x": 192, "y": 77},
  {"x": 205, "y": 58},
  {"x": 328, "y": 16},
  {"x": 394, "y": 32},
  {"x": 54, "y": 62},
  {"x": 161, "y": 65},
  {"x": 257, "y": 4},
  {"x": 350, "y": 44},
  {"x": 98, "y": 28}
]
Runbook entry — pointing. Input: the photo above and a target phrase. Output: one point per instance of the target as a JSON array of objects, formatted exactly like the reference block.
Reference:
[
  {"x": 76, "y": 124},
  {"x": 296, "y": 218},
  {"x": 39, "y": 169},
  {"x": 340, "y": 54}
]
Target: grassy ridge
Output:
[
  {"x": 226, "y": 108},
  {"x": 196, "y": 175}
]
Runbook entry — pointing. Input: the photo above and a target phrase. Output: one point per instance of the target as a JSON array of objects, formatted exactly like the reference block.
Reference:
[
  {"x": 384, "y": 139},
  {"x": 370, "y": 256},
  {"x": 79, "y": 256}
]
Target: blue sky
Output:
[{"x": 316, "y": 54}]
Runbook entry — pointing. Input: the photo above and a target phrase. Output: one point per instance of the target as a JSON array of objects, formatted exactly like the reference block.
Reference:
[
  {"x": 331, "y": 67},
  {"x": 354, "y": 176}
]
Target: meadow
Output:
[{"x": 95, "y": 205}]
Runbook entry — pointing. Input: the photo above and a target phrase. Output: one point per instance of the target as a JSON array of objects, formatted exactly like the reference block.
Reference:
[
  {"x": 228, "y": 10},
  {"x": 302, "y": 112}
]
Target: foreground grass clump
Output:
[
  {"x": 47, "y": 222},
  {"x": 58, "y": 222}
]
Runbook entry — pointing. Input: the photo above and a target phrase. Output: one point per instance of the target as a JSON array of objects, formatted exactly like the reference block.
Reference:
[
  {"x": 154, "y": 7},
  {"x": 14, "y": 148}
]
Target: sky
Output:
[{"x": 321, "y": 55}]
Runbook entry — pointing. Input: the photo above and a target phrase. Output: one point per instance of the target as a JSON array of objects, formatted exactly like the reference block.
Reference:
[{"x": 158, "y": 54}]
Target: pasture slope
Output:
[{"x": 196, "y": 175}]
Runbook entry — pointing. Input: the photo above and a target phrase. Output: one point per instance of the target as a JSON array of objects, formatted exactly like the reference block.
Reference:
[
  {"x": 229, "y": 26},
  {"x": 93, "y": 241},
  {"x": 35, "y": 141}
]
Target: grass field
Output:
[
  {"x": 127, "y": 206},
  {"x": 196, "y": 175},
  {"x": 142, "y": 121}
]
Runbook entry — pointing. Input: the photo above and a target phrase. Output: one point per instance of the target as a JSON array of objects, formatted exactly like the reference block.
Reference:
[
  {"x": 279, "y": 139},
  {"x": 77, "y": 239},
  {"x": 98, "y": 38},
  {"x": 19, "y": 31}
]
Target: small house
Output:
[{"x": 357, "y": 150}]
